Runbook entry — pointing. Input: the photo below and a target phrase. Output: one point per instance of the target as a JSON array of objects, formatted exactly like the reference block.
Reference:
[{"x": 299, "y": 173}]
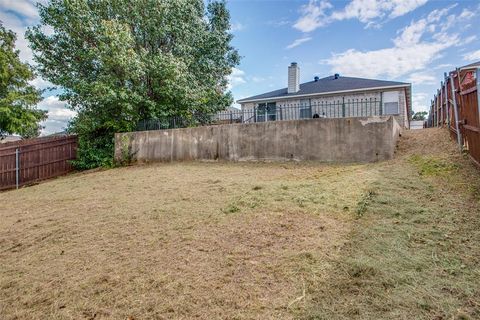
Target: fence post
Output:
[
  {"x": 432, "y": 110},
  {"x": 254, "y": 114},
  {"x": 455, "y": 111},
  {"x": 447, "y": 108},
  {"x": 231, "y": 117},
  {"x": 477, "y": 76},
  {"x": 17, "y": 168},
  {"x": 442, "y": 118},
  {"x": 438, "y": 108},
  {"x": 381, "y": 104},
  {"x": 343, "y": 107}
]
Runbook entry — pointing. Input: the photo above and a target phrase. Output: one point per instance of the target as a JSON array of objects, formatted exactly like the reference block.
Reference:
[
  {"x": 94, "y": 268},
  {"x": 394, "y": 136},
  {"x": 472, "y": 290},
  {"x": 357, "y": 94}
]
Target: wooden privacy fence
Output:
[
  {"x": 457, "y": 106},
  {"x": 28, "y": 161}
]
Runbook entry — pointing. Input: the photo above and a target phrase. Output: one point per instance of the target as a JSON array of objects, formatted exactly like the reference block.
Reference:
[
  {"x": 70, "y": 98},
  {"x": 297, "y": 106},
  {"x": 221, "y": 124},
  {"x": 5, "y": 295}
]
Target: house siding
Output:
[{"x": 358, "y": 104}]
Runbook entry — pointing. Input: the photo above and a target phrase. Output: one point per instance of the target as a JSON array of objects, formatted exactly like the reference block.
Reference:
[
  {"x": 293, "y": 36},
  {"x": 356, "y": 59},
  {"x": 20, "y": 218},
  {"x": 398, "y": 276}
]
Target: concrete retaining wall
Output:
[{"x": 328, "y": 140}]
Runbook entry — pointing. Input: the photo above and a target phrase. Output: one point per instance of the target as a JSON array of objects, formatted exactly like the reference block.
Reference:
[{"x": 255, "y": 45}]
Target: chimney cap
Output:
[
  {"x": 316, "y": 78},
  {"x": 336, "y": 76},
  {"x": 293, "y": 64}
]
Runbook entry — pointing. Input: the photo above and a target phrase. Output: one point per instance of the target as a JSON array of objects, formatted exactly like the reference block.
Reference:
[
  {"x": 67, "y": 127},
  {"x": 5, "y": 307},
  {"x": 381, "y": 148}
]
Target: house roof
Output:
[
  {"x": 471, "y": 66},
  {"x": 10, "y": 139},
  {"x": 325, "y": 86}
]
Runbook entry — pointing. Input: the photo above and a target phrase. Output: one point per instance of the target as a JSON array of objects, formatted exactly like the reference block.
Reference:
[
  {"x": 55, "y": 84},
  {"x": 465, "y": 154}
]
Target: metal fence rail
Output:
[
  {"x": 270, "y": 112},
  {"x": 28, "y": 161}
]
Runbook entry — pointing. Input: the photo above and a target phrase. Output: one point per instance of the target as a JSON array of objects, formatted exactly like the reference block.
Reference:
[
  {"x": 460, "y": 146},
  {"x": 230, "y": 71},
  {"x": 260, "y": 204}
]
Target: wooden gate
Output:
[{"x": 28, "y": 161}]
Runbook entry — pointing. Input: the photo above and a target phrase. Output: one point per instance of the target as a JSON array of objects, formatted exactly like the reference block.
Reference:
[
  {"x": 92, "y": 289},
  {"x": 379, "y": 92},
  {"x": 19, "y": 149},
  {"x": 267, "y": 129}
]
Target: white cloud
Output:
[
  {"x": 437, "y": 14},
  {"x": 237, "y": 26},
  {"x": 40, "y": 83},
  {"x": 467, "y": 14},
  {"x": 369, "y": 12},
  {"x": 14, "y": 23},
  {"x": 24, "y": 8},
  {"x": 468, "y": 40},
  {"x": 237, "y": 77},
  {"x": 258, "y": 79},
  {"x": 392, "y": 62},
  {"x": 298, "y": 42},
  {"x": 56, "y": 108},
  {"x": 17, "y": 15},
  {"x": 58, "y": 114},
  {"x": 423, "y": 77},
  {"x": 402, "y": 7},
  {"x": 443, "y": 66},
  {"x": 313, "y": 15},
  {"x": 410, "y": 54},
  {"x": 419, "y": 101},
  {"x": 474, "y": 55},
  {"x": 278, "y": 23},
  {"x": 411, "y": 34}
]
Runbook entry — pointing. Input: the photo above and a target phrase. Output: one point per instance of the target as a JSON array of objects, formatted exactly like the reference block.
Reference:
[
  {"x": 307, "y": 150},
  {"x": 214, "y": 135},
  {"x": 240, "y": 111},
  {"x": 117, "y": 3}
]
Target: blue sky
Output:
[{"x": 405, "y": 40}]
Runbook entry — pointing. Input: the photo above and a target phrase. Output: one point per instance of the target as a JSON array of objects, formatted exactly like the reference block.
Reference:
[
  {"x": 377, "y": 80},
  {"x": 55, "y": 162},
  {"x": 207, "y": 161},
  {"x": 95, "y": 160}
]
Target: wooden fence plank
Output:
[
  {"x": 39, "y": 159},
  {"x": 463, "y": 93}
]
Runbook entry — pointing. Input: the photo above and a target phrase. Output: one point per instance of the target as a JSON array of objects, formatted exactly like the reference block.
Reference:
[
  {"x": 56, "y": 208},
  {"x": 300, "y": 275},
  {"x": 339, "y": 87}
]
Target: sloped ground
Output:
[
  {"x": 414, "y": 251},
  {"x": 391, "y": 240}
]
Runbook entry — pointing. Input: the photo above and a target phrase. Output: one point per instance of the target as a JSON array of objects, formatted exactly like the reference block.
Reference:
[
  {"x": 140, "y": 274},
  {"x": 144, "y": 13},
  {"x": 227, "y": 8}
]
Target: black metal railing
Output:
[{"x": 271, "y": 112}]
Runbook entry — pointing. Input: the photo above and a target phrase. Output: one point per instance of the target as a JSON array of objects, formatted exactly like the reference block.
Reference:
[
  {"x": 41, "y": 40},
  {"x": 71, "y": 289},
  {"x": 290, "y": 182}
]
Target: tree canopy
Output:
[
  {"x": 18, "y": 99},
  {"x": 119, "y": 62},
  {"x": 421, "y": 115}
]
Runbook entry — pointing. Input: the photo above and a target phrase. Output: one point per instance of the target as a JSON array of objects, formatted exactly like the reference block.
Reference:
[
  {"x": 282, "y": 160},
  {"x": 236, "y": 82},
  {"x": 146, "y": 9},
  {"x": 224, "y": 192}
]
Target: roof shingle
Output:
[{"x": 326, "y": 85}]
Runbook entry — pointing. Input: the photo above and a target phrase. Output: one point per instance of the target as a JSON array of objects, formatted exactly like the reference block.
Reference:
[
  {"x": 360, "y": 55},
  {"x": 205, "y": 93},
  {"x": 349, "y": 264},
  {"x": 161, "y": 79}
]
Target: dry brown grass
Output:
[
  {"x": 247, "y": 241},
  {"x": 415, "y": 251},
  {"x": 184, "y": 240}
]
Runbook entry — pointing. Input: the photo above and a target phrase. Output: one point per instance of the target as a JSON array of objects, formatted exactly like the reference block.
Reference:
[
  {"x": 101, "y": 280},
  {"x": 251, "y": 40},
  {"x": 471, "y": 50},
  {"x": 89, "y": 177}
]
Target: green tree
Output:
[
  {"x": 123, "y": 61},
  {"x": 18, "y": 114},
  {"x": 420, "y": 116}
]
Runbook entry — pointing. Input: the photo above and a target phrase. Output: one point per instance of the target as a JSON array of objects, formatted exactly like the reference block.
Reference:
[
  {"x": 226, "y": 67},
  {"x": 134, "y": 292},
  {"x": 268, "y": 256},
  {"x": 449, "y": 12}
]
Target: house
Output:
[
  {"x": 332, "y": 97},
  {"x": 229, "y": 115},
  {"x": 10, "y": 138}
]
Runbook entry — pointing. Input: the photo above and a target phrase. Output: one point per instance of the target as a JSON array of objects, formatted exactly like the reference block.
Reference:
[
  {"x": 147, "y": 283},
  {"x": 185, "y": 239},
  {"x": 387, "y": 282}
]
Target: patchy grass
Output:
[
  {"x": 364, "y": 202},
  {"x": 391, "y": 240},
  {"x": 414, "y": 252},
  {"x": 433, "y": 166}
]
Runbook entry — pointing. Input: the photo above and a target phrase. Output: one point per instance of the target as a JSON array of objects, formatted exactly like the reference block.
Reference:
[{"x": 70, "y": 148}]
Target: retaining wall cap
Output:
[{"x": 374, "y": 119}]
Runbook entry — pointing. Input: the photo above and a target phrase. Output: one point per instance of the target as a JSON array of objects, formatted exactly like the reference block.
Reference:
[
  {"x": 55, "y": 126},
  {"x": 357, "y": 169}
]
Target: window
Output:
[
  {"x": 305, "y": 109},
  {"x": 267, "y": 112},
  {"x": 390, "y": 102},
  {"x": 391, "y": 107}
]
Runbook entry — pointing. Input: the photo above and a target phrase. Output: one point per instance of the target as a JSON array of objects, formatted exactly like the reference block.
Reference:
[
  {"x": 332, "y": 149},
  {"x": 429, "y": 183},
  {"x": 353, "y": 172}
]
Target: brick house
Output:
[{"x": 332, "y": 97}]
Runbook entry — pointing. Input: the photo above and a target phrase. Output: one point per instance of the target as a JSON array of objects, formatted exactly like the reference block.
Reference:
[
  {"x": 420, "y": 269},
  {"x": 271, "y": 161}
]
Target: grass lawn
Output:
[{"x": 202, "y": 240}]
